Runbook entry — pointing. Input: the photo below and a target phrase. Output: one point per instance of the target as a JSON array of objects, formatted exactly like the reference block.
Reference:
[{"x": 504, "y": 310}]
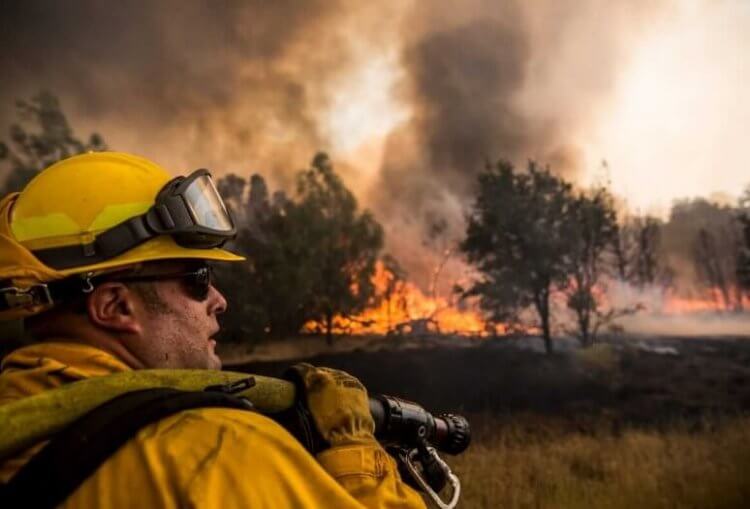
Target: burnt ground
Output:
[{"x": 634, "y": 380}]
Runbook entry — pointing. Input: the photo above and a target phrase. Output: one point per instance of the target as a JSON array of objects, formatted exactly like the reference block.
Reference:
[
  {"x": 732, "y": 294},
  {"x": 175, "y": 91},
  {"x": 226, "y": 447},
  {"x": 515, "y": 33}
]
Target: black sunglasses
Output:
[{"x": 197, "y": 282}]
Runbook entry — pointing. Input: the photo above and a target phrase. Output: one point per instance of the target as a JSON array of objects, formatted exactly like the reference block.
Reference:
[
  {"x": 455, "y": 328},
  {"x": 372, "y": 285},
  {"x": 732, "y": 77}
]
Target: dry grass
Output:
[
  {"x": 536, "y": 464},
  {"x": 599, "y": 358}
]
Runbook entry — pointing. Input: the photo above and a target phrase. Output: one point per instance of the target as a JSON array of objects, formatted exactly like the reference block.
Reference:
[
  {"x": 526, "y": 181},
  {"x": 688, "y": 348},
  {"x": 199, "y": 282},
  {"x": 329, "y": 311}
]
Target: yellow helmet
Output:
[{"x": 100, "y": 211}]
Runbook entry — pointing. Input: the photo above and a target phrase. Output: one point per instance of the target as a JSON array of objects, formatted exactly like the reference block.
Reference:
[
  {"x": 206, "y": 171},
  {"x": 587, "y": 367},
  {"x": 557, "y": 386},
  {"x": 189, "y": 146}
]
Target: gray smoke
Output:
[
  {"x": 221, "y": 84},
  {"x": 514, "y": 80},
  {"x": 240, "y": 86}
]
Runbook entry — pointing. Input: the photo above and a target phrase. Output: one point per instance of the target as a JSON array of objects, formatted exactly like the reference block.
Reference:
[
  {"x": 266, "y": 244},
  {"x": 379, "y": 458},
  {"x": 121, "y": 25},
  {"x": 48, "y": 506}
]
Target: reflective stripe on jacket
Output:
[{"x": 212, "y": 457}]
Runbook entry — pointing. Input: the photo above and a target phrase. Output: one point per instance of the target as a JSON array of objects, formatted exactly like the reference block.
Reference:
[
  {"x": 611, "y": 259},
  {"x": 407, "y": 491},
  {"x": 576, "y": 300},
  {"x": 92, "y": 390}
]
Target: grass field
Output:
[
  {"x": 636, "y": 423},
  {"x": 534, "y": 462}
]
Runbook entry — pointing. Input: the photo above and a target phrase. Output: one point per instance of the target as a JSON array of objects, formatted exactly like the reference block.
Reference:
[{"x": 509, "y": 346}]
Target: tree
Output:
[
  {"x": 622, "y": 251},
  {"x": 592, "y": 228},
  {"x": 647, "y": 266},
  {"x": 518, "y": 238},
  {"x": 272, "y": 293},
  {"x": 635, "y": 250},
  {"x": 232, "y": 189},
  {"x": 709, "y": 236},
  {"x": 743, "y": 258},
  {"x": 42, "y": 137},
  {"x": 346, "y": 243},
  {"x": 311, "y": 257}
]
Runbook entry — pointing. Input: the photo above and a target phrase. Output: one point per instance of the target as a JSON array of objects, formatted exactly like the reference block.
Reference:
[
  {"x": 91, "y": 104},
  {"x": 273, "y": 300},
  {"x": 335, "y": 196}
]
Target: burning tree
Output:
[
  {"x": 392, "y": 289},
  {"x": 711, "y": 236},
  {"x": 311, "y": 257},
  {"x": 42, "y": 137},
  {"x": 518, "y": 236},
  {"x": 347, "y": 243}
]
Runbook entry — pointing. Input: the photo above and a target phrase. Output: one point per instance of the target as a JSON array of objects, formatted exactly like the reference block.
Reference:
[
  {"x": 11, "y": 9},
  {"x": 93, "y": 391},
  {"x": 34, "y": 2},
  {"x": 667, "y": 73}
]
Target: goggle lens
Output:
[{"x": 206, "y": 205}]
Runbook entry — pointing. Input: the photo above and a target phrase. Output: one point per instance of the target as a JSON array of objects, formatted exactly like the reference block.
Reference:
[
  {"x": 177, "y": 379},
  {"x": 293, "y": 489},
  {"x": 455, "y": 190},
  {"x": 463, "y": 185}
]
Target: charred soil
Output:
[{"x": 640, "y": 381}]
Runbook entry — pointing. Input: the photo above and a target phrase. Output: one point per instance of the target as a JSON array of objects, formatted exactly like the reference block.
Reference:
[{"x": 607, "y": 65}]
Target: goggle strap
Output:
[{"x": 107, "y": 245}]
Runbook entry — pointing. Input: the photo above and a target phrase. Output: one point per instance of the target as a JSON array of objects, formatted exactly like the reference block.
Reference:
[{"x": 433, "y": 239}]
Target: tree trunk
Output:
[
  {"x": 584, "y": 325},
  {"x": 585, "y": 336},
  {"x": 546, "y": 332},
  {"x": 329, "y": 328},
  {"x": 621, "y": 261},
  {"x": 542, "y": 307}
]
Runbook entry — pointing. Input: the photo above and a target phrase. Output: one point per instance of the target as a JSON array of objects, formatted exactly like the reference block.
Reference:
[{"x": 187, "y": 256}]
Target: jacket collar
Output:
[{"x": 43, "y": 366}]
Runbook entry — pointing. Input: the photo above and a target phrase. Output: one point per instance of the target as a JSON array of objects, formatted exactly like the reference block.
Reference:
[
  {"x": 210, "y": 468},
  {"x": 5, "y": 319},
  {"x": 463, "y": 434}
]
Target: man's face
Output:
[{"x": 178, "y": 328}]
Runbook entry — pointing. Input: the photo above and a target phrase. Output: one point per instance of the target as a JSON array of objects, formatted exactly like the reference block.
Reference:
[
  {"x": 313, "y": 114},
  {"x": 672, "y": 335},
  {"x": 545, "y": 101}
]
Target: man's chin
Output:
[{"x": 214, "y": 362}]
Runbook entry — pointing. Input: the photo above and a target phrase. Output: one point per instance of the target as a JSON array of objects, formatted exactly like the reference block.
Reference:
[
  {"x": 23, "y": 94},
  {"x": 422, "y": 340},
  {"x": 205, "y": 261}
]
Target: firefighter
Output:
[{"x": 105, "y": 257}]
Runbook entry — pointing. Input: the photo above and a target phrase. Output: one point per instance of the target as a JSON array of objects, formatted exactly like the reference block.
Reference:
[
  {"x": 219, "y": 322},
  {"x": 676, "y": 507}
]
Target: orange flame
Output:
[
  {"x": 711, "y": 301},
  {"x": 405, "y": 309}
]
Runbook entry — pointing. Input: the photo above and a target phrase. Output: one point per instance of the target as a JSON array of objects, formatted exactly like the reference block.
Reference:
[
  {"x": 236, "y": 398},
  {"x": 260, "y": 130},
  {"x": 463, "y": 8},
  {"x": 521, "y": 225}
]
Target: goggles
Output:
[{"x": 189, "y": 209}]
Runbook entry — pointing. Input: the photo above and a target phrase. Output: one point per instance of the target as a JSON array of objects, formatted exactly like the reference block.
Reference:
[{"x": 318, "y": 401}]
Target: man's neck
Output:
[{"x": 114, "y": 346}]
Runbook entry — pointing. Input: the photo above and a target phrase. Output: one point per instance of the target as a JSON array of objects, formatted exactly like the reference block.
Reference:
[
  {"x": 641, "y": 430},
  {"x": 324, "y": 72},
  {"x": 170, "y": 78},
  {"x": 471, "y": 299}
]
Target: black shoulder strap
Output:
[{"x": 53, "y": 474}]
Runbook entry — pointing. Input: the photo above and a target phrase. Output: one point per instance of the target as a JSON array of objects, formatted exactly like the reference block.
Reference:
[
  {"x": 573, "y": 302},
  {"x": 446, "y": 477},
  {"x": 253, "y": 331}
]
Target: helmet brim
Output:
[{"x": 159, "y": 248}]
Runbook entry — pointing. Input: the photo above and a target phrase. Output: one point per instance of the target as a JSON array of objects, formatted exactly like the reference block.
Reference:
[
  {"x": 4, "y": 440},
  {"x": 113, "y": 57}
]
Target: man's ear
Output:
[{"x": 112, "y": 306}]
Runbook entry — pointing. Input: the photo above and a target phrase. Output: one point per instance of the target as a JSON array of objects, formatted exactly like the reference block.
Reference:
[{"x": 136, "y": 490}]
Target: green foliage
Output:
[
  {"x": 518, "y": 238},
  {"x": 270, "y": 294},
  {"x": 531, "y": 235},
  {"x": 309, "y": 258},
  {"x": 42, "y": 137}
]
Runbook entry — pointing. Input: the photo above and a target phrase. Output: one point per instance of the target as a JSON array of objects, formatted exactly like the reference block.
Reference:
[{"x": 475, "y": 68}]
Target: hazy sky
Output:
[
  {"x": 410, "y": 97},
  {"x": 678, "y": 121}
]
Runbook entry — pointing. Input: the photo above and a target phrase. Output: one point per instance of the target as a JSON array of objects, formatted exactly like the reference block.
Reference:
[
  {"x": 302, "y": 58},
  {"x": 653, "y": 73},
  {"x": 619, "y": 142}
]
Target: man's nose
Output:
[{"x": 216, "y": 300}]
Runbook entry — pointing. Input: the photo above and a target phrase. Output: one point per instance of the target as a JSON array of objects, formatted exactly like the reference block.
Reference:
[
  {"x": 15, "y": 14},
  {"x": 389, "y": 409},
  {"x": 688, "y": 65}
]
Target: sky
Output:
[{"x": 677, "y": 122}]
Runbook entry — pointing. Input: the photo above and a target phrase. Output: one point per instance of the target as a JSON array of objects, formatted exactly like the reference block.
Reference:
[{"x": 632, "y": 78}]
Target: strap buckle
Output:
[{"x": 25, "y": 297}]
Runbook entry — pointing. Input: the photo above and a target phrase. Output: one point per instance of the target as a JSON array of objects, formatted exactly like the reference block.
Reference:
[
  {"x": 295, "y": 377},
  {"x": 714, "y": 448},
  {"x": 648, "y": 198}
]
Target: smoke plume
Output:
[
  {"x": 227, "y": 85},
  {"x": 249, "y": 86},
  {"x": 511, "y": 80}
]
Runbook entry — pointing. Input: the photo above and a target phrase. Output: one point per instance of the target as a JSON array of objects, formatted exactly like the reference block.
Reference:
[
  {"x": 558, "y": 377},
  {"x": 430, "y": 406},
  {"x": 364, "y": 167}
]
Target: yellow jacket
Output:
[{"x": 212, "y": 457}]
